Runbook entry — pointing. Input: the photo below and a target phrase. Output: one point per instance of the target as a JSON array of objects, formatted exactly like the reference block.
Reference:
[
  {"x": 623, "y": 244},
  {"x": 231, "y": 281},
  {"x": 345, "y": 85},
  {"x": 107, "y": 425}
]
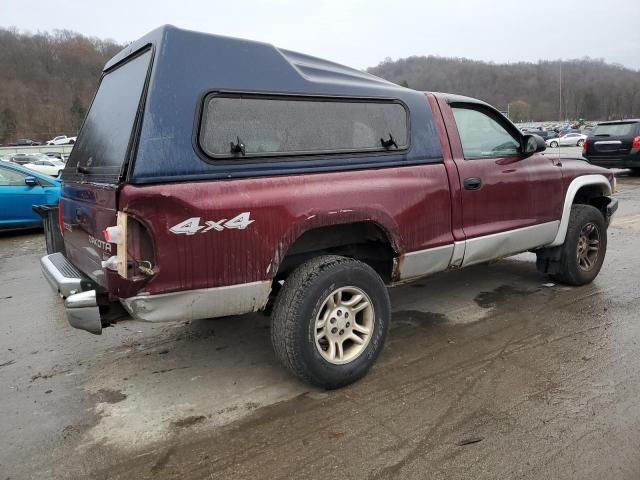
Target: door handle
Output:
[{"x": 472, "y": 183}]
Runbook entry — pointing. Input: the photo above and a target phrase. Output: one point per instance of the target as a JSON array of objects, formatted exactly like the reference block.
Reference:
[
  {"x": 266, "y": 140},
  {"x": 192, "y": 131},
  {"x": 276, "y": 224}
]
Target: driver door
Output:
[{"x": 510, "y": 202}]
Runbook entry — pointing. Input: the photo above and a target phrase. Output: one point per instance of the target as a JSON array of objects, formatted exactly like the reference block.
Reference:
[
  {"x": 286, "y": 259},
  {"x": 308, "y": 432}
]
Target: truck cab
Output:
[{"x": 242, "y": 177}]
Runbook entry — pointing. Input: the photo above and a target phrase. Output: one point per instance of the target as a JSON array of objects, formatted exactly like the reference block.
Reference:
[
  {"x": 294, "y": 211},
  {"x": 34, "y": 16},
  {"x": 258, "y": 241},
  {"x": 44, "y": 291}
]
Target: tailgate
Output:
[
  {"x": 614, "y": 147},
  {"x": 86, "y": 210}
]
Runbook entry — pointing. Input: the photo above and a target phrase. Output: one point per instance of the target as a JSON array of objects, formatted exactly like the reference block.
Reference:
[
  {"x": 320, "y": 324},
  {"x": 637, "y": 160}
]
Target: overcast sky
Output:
[{"x": 363, "y": 33}]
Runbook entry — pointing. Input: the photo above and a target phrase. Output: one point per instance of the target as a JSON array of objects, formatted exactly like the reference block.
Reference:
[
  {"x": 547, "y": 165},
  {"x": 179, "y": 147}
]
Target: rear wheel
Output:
[
  {"x": 584, "y": 247},
  {"x": 330, "y": 321},
  {"x": 553, "y": 144},
  {"x": 635, "y": 171},
  {"x": 580, "y": 142}
]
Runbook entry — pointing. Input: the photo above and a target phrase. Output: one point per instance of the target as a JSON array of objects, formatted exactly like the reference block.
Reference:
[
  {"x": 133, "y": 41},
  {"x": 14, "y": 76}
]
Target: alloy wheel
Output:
[{"x": 344, "y": 325}]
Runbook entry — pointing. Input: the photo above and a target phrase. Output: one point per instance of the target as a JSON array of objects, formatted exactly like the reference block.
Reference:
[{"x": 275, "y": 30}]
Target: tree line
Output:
[
  {"x": 591, "y": 89},
  {"x": 47, "y": 81}
]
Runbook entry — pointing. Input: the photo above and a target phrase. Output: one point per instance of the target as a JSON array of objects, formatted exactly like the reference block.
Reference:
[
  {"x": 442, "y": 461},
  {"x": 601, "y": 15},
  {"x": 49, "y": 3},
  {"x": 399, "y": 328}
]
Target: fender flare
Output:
[{"x": 575, "y": 185}]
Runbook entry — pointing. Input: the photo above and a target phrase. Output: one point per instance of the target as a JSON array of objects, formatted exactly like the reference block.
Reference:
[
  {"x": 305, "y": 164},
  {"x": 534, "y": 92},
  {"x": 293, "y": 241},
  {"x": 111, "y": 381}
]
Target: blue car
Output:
[{"x": 20, "y": 188}]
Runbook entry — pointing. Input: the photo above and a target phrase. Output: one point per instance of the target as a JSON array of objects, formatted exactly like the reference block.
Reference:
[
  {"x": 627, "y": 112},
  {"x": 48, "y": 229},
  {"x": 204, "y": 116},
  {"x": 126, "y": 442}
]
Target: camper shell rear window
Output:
[
  {"x": 236, "y": 126},
  {"x": 107, "y": 134}
]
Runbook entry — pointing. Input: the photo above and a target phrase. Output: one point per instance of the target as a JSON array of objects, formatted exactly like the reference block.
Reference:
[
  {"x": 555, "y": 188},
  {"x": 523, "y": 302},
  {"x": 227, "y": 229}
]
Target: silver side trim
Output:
[
  {"x": 574, "y": 186},
  {"x": 503, "y": 244},
  {"x": 201, "y": 303},
  {"x": 423, "y": 262},
  {"x": 458, "y": 253}
]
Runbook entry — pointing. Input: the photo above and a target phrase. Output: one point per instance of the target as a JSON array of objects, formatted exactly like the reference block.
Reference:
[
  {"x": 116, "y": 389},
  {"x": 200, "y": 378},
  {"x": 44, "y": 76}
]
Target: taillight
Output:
[
  {"x": 134, "y": 254},
  {"x": 584, "y": 145},
  {"x": 636, "y": 142},
  {"x": 112, "y": 234},
  {"x": 60, "y": 221}
]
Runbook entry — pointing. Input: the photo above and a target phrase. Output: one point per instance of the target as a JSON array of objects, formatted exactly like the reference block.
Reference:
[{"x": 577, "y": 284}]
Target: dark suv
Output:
[{"x": 614, "y": 144}]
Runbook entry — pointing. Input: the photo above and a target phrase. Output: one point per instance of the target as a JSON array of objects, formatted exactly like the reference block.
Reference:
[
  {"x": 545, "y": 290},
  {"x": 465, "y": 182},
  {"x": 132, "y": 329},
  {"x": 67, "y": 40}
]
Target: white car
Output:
[
  {"x": 51, "y": 166},
  {"x": 569, "y": 139},
  {"x": 62, "y": 140}
]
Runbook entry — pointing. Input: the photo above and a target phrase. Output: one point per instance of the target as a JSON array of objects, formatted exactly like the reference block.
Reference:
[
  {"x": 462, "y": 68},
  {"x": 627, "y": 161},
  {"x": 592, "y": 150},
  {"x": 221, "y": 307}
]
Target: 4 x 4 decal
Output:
[{"x": 192, "y": 225}]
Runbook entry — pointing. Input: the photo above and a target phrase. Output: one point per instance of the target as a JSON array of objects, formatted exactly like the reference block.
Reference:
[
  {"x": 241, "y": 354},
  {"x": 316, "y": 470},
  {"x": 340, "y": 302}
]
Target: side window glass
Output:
[
  {"x": 482, "y": 136},
  {"x": 293, "y": 126},
  {"x": 11, "y": 178}
]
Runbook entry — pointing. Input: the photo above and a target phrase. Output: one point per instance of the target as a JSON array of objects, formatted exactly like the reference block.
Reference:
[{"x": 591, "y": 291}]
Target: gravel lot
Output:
[{"x": 489, "y": 372}]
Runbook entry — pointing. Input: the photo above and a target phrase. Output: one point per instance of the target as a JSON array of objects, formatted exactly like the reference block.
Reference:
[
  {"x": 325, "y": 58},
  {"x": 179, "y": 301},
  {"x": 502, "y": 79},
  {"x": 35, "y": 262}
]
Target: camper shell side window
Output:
[{"x": 237, "y": 126}]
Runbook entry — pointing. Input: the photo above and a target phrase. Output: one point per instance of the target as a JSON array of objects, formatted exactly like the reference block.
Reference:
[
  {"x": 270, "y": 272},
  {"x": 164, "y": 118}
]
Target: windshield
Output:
[{"x": 103, "y": 142}]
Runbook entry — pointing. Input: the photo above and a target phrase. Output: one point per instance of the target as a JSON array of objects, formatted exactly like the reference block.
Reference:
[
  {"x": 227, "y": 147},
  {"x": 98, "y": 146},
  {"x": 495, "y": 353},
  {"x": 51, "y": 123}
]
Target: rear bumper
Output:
[{"x": 79, "y": 298}]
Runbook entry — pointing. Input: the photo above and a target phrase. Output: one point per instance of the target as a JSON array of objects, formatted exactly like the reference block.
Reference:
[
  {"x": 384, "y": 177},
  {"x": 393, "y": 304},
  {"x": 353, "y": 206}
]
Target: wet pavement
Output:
[{"x": 488, "y": 372}]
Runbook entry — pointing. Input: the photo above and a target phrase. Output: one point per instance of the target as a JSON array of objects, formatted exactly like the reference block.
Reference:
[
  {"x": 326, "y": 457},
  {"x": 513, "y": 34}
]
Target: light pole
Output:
[{"x": 560, "y": 103}]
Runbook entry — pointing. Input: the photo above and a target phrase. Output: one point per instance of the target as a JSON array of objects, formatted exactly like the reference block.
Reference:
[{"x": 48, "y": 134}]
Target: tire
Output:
[
  {"x": 572, "y": 268},
  {"x": 553, "y": 144},
  {"x": 307, "y": 297},
  {"x": 580, "y": 142},
  {"x": 635, "y": 172},
  {"x": 71, "y": 142}
]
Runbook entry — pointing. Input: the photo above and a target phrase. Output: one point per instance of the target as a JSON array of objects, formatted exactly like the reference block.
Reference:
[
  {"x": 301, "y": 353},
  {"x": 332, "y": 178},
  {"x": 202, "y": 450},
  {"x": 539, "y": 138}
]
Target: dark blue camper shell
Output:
[{"x": 186, "y": 66}]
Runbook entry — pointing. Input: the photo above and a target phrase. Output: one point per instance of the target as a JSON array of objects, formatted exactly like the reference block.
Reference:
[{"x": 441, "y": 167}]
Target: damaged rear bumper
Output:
[
  {"x": 82, "y": 299},
  {"x": 78, "y": 292}
]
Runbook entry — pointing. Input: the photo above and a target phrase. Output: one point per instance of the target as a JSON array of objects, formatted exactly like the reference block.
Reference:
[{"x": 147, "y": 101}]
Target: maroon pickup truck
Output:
[{"x": 242, "y": 178}]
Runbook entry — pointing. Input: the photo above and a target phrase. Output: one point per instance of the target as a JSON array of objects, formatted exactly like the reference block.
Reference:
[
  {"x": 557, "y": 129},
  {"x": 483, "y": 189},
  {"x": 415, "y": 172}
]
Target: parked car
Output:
[
  {"x": 303, "y": 189},
  {"x": 20, "y": 189},
  {"x": 24, "y": 158},
  {"x": 61, "y": 140},
  {"x": 547, "y": 134},
  {"x": 614, "y": 145},
  {"x": 566, "y": 131},
  {"x": 57, "y": 155},
  {"x": 47, "y": 166},
  {"x": 24, "y": 142},
  {"x": 570, "y": 139}
]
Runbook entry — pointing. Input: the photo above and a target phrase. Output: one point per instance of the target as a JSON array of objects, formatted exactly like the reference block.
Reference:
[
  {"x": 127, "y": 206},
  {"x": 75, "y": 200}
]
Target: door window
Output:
[
  {"x": 482, "y": 136},
  {"x": 11, "y": 178}
]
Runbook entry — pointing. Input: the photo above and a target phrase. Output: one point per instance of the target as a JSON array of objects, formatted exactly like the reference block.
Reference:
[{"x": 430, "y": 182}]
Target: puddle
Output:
[{"x": 500, "y": 296}]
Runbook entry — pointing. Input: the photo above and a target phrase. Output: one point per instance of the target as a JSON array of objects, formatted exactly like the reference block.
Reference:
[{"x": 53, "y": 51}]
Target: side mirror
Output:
[
  {"x": 532, "y": 144},
  {"x": 31, "y": 181}
]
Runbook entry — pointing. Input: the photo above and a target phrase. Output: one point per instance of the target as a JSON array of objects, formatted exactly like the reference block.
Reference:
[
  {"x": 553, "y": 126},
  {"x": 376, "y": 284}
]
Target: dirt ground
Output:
[{"x": 488, "y": 372}]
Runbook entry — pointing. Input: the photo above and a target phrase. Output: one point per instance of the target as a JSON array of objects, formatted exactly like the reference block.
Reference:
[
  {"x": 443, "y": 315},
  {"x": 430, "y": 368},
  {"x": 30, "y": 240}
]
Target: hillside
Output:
[
  {"x": 591, "y": 89},
  {"x": 47, "y": 81}
]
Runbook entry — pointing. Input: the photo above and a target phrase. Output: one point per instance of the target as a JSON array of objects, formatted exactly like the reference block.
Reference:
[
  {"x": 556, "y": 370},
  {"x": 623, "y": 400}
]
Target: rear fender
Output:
[{"x": 345, "y": 217}]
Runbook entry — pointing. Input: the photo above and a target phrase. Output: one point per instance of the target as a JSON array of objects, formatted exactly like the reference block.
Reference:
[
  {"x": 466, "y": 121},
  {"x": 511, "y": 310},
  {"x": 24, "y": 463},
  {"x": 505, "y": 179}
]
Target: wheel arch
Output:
[
  {"x": 585, "y": 189},
  {"x": 366, "y": 240}
]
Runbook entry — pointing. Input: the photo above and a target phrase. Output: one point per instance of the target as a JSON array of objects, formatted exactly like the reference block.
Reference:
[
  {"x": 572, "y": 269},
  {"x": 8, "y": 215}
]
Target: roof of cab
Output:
[{"x": 188, "y": 65}]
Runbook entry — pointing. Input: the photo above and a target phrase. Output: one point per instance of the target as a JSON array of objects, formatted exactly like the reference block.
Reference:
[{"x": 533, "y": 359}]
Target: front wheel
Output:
[
  {"x": 584, "y": 248},
  {"x": 553, "y": 144},
  {"x": 330, "y": 321}
]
